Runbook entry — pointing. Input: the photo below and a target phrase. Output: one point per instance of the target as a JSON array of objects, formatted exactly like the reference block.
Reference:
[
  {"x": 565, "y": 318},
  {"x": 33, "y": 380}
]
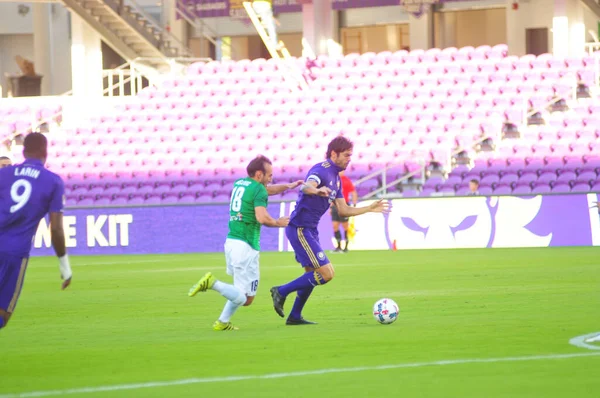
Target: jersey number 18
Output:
[{"x": 236, "y": 199}]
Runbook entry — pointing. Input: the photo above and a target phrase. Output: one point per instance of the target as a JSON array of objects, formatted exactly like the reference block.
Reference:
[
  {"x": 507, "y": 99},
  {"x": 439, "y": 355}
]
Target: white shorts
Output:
[{"x": 242, "y": 264}]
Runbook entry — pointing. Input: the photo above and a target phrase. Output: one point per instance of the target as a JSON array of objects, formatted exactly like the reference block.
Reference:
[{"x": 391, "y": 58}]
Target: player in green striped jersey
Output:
[{"x": 247, "y": 213}]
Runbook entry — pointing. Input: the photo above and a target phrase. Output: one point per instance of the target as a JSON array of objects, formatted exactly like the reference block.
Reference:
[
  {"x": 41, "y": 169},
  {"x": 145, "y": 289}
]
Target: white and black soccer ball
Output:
[{"x": 385, "y": 311}]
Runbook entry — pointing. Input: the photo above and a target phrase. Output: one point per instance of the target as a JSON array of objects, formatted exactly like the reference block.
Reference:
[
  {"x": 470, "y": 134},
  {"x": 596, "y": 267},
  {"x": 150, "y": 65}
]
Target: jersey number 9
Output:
[{"x": 22, "y": 198}]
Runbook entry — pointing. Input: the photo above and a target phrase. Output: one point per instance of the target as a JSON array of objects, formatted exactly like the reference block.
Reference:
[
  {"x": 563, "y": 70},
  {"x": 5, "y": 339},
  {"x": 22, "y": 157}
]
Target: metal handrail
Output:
[
  {"x": 14, "y": 134},
  {"x": 527, "y": 115},
  {"x": 395, "y": 182},
  {"x": 383, "y": 171},
  {"x": 164, "y": 33}
]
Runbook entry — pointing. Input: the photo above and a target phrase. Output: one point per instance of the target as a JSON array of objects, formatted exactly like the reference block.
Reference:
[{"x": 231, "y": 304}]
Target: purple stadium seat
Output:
[
  {"x": 547, "y": 177},
  {"x": 135, "y": 200},
  {"x": 527, "y": 177},
  {"x": 103, "y": 201},
  {"x": 541, "y": 189},
  {"x": 586, "y": 176},
  {"x": 509, "y": 177},
  {"x": 580, "y": 187},
  {"x": 522, "y": 190},
  {"x": 502, "y": 190},
  {"x": 566, "y": 177},
  {"x": 152, "y": 200},
  {"x": 187, "y": 198},
  {"x": 85, "y": 202}
]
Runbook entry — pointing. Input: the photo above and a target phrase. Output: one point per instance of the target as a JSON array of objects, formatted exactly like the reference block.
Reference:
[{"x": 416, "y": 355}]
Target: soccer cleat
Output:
[
  {"x": 337, "y": 250},
  {"x": 301, "y": 321},
  {"x": 278, "y": 301},
  {"x": 345, "y": 250},
  {"x": 205, "y": 283},
  {"x": 223, "y": 326}
]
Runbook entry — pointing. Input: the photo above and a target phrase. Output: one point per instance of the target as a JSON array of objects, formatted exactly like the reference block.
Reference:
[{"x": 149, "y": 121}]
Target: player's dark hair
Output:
[
  {"x": 4, "y": 158},
  {"x": 475, "y": 181},
  {"x": 35, "y": 145},
  {"x": 338, "y": 145},
  {"x": 257, "y": 164}
]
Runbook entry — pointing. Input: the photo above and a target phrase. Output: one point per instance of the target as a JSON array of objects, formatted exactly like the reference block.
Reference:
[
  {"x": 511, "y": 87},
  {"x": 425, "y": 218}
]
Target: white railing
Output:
[
  {"x": 130, "y": 76},
  {"x": 591, "y": 48},
  {"x": 572, "y": 93},
  {"x": 385, "y": 185}
]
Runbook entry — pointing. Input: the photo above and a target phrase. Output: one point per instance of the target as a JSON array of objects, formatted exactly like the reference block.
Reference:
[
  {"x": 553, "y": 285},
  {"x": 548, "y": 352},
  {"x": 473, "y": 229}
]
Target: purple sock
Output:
[
  {"x": 303, "y": 295},
  {"x": 308, "y": 280},
  {"x": 1, "y": 322}
]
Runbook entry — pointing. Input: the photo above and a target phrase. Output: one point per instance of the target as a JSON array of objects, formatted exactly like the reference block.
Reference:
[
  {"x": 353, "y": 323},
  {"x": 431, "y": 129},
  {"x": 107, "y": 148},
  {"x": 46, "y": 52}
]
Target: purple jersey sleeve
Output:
[
  {"x": 57, "y": 202},
  {"x": 317, "y": 175}
]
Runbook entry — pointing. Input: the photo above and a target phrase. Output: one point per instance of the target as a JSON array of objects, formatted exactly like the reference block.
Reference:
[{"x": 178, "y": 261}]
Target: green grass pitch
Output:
[{"x": 128, "y": 320}]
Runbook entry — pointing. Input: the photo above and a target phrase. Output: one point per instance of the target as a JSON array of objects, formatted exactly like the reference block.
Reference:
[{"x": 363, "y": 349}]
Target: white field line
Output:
[
  {"x": 276, "y": 267},
  {"x": 580, "y": 341},
  {"x": 227, "y": 379}
]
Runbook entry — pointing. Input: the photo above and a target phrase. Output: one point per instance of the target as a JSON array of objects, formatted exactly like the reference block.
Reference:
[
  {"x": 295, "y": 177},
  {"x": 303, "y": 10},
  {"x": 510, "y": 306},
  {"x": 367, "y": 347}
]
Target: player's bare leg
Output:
[{"x": 4, "y": 317}]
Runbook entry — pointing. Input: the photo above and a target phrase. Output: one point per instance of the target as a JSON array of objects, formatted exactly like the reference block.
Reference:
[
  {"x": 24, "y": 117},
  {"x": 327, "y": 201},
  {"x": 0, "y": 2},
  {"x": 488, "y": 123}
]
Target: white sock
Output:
[
  {"x": 228, "y": 311},
  {"x": 230, "y": 292}
]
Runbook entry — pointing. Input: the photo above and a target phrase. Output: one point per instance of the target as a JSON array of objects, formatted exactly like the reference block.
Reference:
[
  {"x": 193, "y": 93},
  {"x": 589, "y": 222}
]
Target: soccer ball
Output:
[{"x": 386, "y": 311}]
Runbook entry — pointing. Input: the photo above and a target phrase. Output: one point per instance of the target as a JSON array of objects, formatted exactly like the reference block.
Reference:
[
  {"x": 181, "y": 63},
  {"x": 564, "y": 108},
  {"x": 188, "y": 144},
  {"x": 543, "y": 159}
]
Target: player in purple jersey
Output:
[
  {"x": 28, "y": 191},
  {"x": 4, "y": 162},
  {"x": 322, "y": 186}
]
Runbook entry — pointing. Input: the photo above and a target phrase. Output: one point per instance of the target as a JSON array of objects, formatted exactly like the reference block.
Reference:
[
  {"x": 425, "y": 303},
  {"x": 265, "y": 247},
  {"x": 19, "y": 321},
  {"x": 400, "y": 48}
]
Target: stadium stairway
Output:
[{"x": 128, "y": 30}]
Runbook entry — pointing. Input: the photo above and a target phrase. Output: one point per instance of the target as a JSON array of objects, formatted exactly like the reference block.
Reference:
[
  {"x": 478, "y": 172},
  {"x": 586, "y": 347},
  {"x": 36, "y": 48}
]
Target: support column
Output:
[
  {"x": 177, "y": 27},
  {"x": 86, "y": 59},
  {"x": 43, "y": 45},
  {"x": 563, "y": 19},
  {"x": 317, "y": 25},
  {"x": 576, "y": 28},
  {"x": 420, "y": 31},
  {"x": 568, "y": 28},
  {"x": 560, "y": 28}
]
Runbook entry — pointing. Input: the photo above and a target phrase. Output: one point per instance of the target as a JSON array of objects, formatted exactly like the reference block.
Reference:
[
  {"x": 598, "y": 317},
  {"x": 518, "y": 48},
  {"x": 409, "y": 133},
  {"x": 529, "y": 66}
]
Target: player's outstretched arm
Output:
[
  {"x": 279, "y": 188},
  {"x": 310, "y": 188},
  {"x": 263, "y": 217},
  {"x": 344, "y": 210},
  {"x": 60, "y": 248},
  {"x": 354, "y": 195}
]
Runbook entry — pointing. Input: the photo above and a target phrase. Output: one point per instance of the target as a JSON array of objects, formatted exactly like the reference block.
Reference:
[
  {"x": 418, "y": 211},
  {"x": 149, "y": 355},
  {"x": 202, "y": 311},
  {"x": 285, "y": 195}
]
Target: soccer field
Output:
[{"x": 473, "y": 323}]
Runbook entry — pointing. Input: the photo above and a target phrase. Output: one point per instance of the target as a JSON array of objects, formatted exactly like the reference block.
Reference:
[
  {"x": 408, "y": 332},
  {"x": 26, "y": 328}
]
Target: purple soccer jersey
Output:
[
  {"x": 310, "y": 208},
  {"x": 302, "y": 232},
  {"x": 28, "y": 191}
]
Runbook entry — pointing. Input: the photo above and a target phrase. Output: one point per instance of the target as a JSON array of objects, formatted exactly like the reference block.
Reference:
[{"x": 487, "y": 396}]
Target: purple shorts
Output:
[
  {"x": 12, "y": 273},
  {"x": 305, "y": 242}
]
